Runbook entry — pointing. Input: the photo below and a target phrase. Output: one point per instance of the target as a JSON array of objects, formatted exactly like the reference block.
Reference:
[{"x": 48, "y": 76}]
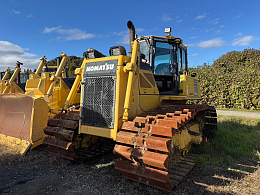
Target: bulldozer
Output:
[
  {"x": 45, "y": 93},
  {"x": 17, "y": 80},
  {"x": 137, "y": 105}
]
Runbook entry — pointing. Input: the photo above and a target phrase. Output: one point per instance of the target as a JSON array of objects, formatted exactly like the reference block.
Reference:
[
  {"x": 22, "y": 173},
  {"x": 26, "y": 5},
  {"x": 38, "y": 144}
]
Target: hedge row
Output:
[{"x": 233, "y": 81}]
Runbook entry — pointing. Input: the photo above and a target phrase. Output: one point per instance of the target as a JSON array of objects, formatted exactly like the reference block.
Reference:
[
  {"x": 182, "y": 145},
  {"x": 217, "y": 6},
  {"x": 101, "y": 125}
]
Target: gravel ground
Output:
[
  {"x": 239, "y": 113},
  {"x": 41, "y": 173}
]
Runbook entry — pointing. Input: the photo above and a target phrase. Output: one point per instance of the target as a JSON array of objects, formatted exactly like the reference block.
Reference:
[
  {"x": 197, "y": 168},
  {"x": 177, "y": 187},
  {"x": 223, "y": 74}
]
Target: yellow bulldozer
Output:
[
  {"x": 138, "y": 101},
  {"x": 13, "y": 82},
  {"x": 45, "y": 93}
]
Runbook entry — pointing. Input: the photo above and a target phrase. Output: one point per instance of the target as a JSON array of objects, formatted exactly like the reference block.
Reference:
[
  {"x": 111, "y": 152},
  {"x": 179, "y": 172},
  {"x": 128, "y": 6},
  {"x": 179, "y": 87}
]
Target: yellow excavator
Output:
[
  {"x": 44, "y": 96},
  {"x": 139, "y": 102}
]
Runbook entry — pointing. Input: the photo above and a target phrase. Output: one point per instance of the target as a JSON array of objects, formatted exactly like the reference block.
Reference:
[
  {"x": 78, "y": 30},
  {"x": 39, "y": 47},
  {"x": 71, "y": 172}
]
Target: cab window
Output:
[
  {"x": 184, "y": 63},
  {"x": 181, "y": 60},
  {"x": 144, "y": 48},
  {"x": 162, "y": 58},
  {"x": 24, "y": 77}
]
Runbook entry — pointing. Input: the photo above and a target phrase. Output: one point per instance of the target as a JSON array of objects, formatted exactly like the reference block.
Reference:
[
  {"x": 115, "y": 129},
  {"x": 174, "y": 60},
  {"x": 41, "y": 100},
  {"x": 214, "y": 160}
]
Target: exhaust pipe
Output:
[
  {"x": 19, "y": 75},
  {"x": 58, "y": 61},
  {"x": 131, "y": 28}
]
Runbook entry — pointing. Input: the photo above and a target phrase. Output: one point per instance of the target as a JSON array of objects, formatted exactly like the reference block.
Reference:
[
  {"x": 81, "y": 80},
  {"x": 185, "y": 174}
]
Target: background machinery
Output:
[
  {"x": 4, "y": 76},
  {"x": 45, "y": 93},
  {"x": 16, "y": 82},
  {"x": 139, "y": 102}
]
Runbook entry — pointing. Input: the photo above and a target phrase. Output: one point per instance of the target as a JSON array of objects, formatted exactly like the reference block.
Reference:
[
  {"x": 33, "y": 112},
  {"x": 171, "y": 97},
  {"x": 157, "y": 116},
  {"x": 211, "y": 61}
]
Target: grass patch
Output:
[{"x": 237, "y": 139}]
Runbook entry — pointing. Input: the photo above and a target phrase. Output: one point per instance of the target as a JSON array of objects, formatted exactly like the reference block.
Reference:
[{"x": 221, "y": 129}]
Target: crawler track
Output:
[
  {"x": 63, "y": 139},
  {"x": 145, "y": 145},
  {"x": 146, "y": 150}
]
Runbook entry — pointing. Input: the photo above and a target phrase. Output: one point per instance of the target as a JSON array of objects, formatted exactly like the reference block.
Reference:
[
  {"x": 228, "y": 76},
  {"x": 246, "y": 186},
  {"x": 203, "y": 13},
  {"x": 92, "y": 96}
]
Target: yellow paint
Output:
[
  {"x": 98, "y": 131},
  {"x": 38, "y": 122},
  {"x": 54, "y": 78},
  {"x": 39, "y": 119},
  {"x": 130, "y": 68},
  {"x": 39, "y": 69},
  {"x": 17, "y": 146},
  {"x": 121, "y": 82},
  {"x": 37, "y": 87},
  {"x": 182, "y": 139},
  {"x": 74, "y": 89},
  {"x": 10, "y": 85},
  {"x": 189, "y": 86},
  {"x": 2, "y": 82},
  {"x": 132, "y": 98}
]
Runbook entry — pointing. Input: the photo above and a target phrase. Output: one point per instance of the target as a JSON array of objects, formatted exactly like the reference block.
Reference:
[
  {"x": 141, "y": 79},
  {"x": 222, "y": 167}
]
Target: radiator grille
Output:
[{"x": 98, "y": 101}]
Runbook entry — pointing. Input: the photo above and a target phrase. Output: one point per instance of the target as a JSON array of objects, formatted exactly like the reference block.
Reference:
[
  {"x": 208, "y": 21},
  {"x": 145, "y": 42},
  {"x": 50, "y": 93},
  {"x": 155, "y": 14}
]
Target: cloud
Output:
[
  {"x": 194, "y": 37},
  {"x": 209, "y": 29},
  {"x": 192, "y": 45},
  {"x": 165, "y": 17},
  {"x": 139, "y": 30},
  {"x": 239, "y": 34},
  {"x": 179, "y": 21},
  {"x": 192, "y": 29},
  {"x": 200, "y": 17},
  {"x": 69, "y": 34},
  {"x": 30, "y": 16},
  {"x": 222, "y": 26},
  {"x": 239, "y": 15},
  {"x": 214, "y": 22},
  {"x": 193, "y": 55},
  {"x": 243, "y": 41},
  {"x": 16, "y": 12},
  {"x": 125, "y": 35},
  {"x": 11, "y": 53},
  {"x": 218, "y": 31},
  {"x": 217, "y": 42},
  {"x": 49, "y": 30}
]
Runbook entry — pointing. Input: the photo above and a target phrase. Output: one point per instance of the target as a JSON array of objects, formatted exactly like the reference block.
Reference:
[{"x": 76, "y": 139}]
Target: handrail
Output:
[{"x": 131, "y": 68}]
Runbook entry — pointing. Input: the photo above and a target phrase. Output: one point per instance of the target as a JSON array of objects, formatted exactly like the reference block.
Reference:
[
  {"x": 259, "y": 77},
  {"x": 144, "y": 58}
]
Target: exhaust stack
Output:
[{"x": 131, "y": 28}]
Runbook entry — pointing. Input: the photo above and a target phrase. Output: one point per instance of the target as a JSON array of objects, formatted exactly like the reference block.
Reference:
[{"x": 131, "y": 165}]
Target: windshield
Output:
[{"x": 163, "y": 58}]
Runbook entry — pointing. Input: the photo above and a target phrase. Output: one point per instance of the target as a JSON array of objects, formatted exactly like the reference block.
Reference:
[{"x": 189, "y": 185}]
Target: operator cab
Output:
[
  {"x": 24, "y": 76},
  {"x": 166, "y": 57}
]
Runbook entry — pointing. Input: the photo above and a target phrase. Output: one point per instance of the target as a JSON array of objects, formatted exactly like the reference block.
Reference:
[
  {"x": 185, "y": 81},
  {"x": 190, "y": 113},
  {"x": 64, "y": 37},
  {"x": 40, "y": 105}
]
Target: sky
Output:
[{"x": 30, "y": 29}]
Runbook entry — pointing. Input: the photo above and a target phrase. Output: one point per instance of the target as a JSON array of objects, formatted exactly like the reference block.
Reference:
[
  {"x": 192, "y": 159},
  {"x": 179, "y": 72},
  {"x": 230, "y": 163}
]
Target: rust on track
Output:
[
  {"x": 63, "y": 139},
  {"x": 145, "y": 150}
]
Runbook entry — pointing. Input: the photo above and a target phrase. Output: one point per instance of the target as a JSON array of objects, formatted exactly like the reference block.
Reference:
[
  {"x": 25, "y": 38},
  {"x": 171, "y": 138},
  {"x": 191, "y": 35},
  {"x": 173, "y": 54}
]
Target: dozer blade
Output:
[{"x": 22, "y": 119}]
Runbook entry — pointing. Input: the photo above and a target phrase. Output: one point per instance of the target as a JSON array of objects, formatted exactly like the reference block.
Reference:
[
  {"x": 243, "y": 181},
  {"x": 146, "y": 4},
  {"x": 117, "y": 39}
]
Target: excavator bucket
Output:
[{"x": 22, "y": 120}]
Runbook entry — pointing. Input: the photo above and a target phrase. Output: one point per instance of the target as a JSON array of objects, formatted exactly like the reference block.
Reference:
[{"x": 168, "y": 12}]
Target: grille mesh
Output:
[{"x": 98, "y": 101}]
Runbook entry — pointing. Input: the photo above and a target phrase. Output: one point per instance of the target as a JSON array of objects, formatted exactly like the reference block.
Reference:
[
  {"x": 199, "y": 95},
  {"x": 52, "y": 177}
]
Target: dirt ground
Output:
[
  {"x": 247, "y": 114},
  {"x": 41, "y": 173}
]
